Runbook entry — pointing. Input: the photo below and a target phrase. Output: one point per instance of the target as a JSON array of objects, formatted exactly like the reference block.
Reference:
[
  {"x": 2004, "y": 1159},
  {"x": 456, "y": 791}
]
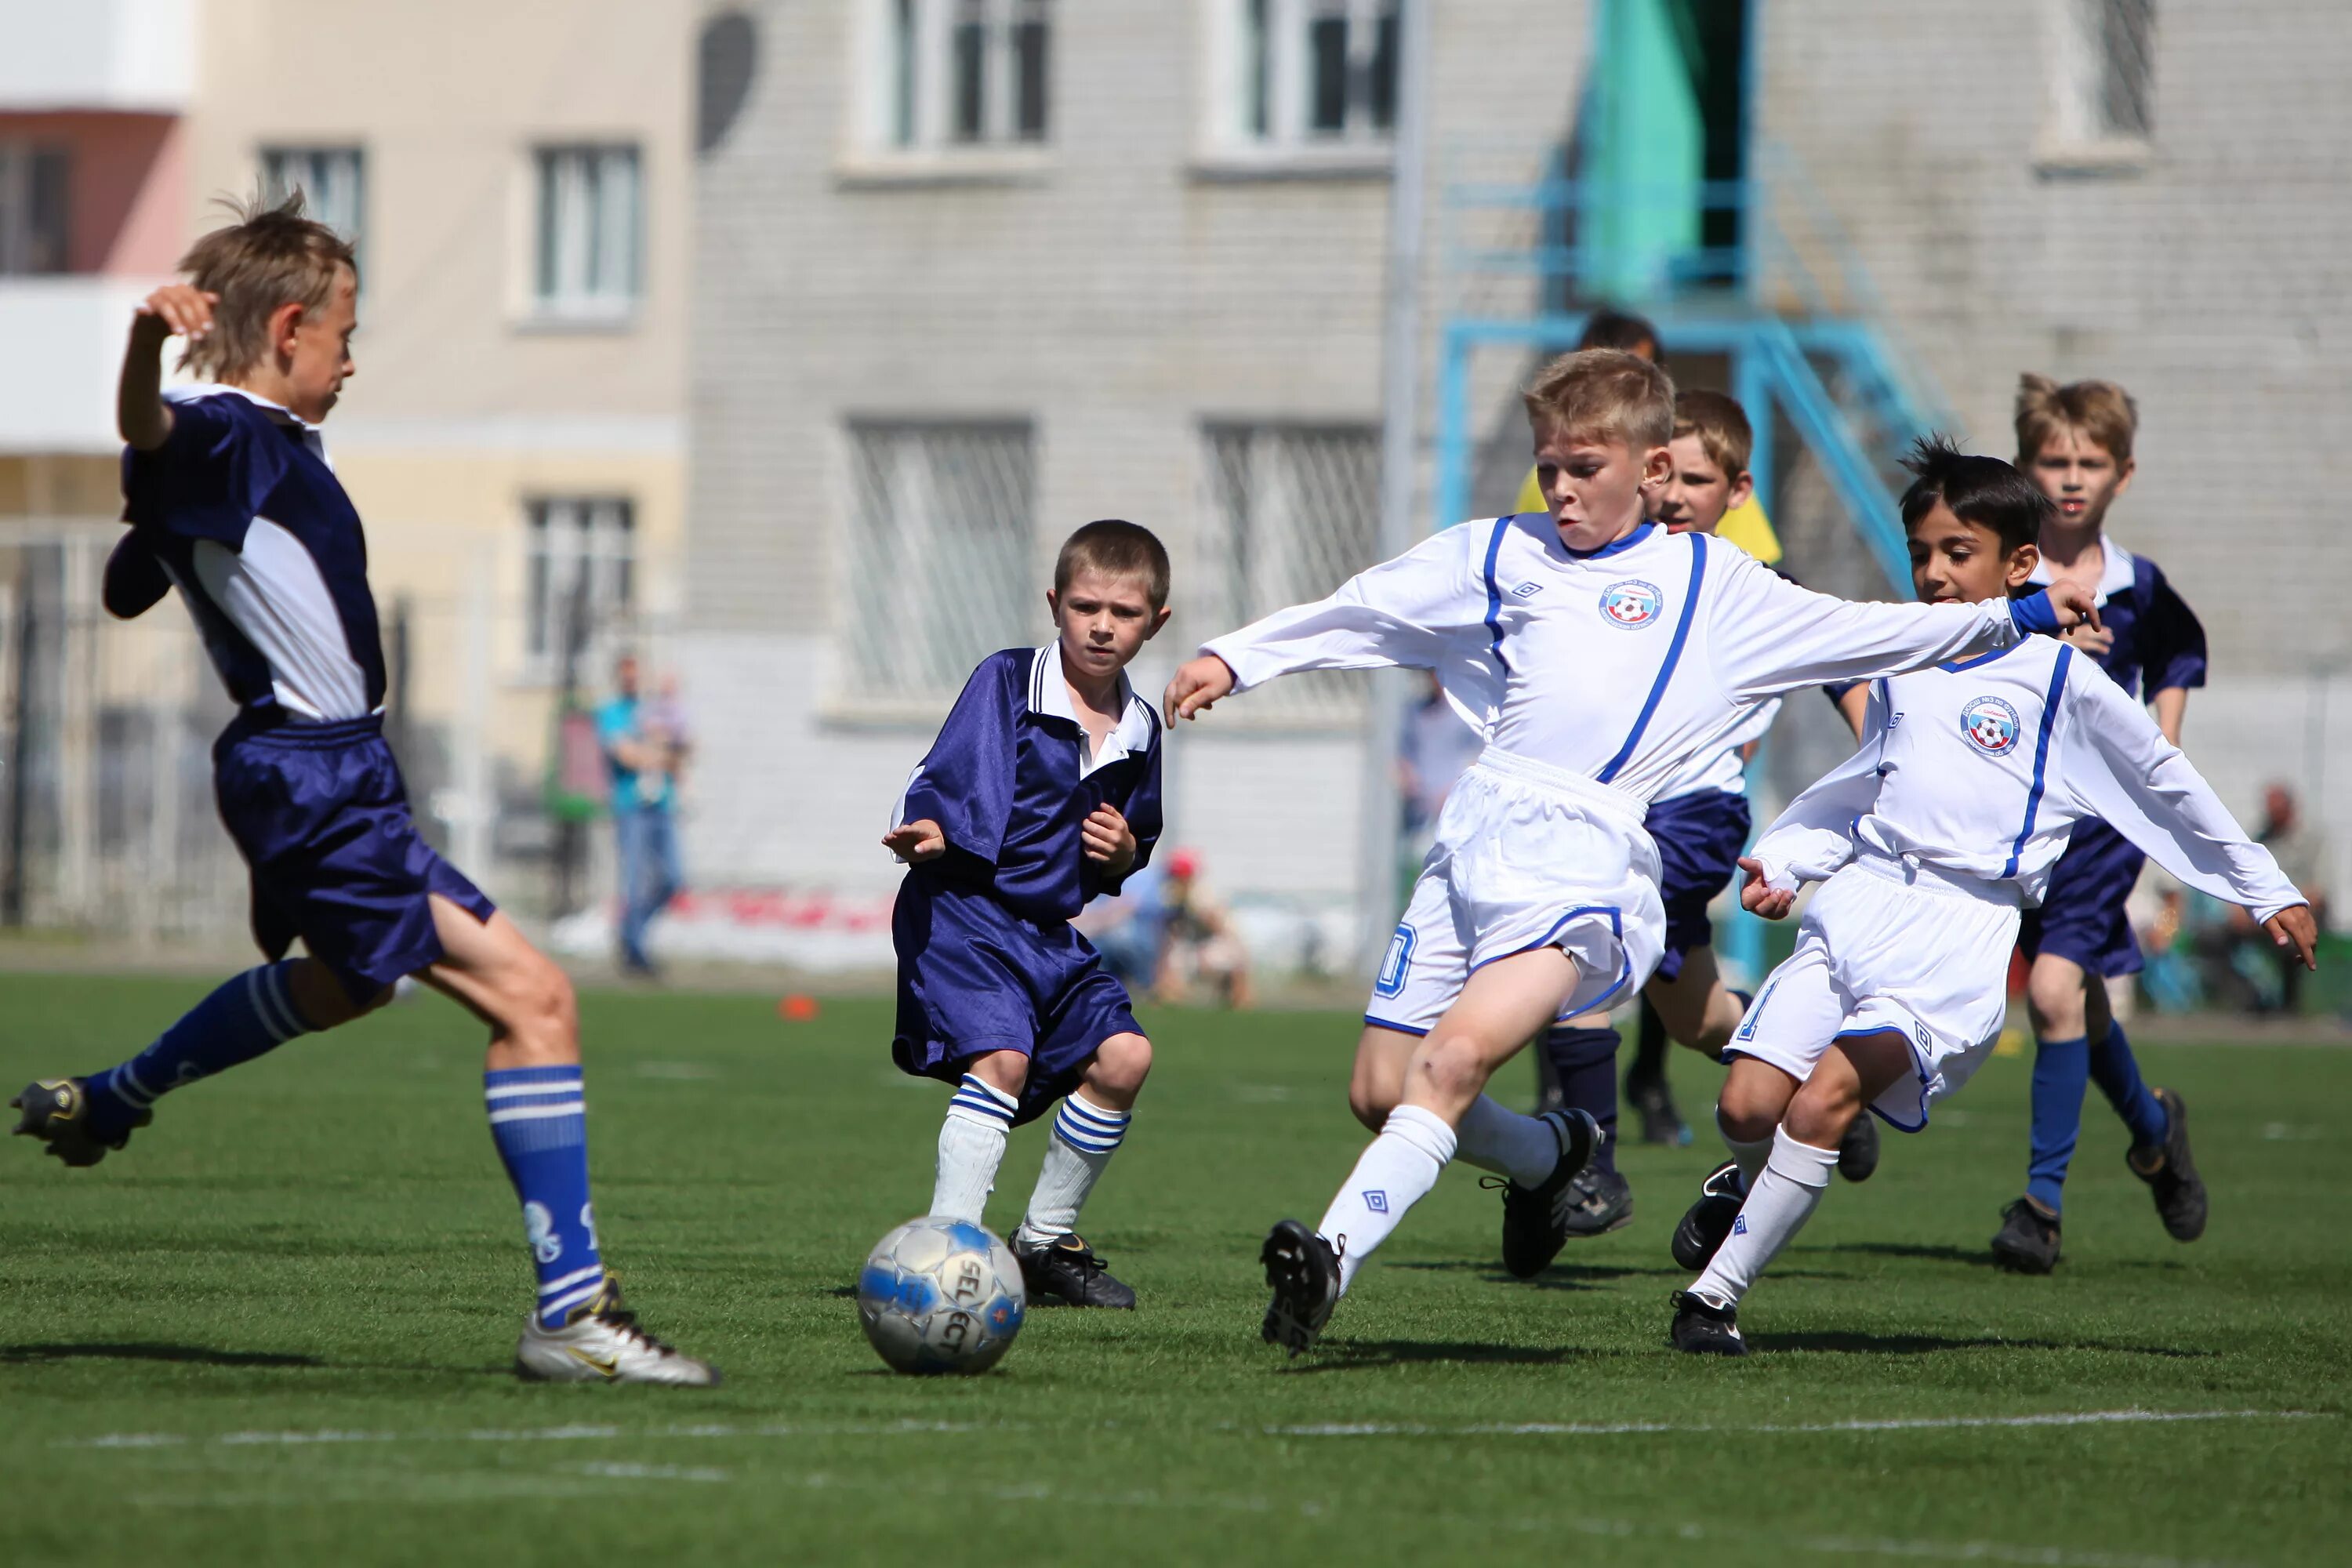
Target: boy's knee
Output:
[
  {"x": 1123, "y": 1062},
  {"x": 1372, "y": 1103},
  {"x": 1455, "y": 1063},
  {"x": 1821, "y": 1113},
  {"x": 1748, "y": 1112}
]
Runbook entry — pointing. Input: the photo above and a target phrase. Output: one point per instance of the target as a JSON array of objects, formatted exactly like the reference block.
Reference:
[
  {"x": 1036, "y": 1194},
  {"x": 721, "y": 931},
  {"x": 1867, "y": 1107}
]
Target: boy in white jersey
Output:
[
  {"x": 1929, "y": 841},
  {"x": 1599, "y": 653}
]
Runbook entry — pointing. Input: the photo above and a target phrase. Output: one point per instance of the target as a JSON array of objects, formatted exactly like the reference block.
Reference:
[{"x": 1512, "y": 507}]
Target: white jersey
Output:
[
  {"x": 1725, "y": 771},
  {"x": 1981, "y": 769},
  {"x": 1620, "y": 665}
]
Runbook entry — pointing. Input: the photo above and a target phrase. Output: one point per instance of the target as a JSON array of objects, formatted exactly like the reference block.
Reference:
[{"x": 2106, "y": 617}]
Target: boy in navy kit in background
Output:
[
  {"x": 231, "y": 501},
  {"x": 2076, "y": 443},
  {"x": 1041, "y": 791}
]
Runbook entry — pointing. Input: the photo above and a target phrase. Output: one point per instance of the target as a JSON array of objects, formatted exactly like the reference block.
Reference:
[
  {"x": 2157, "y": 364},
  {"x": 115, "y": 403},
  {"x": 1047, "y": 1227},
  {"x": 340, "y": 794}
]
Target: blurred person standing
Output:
[
  {"x": 645, "y": 746},
  {"x": 2300, "y": 850}
]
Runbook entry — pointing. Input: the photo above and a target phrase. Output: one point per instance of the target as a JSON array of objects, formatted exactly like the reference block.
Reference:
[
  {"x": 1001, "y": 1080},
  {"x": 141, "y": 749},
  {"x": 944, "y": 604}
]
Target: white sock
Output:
[
  {"x": 1084, "y": 1138},
  {"x": 972, "y": 1145},
  {"x": 1506, "y": 1143},
  {"x": 1750, "y": 1156},
  {"x": 1779, "y": 1203},
  {"x": 1395, "y": 1172}
]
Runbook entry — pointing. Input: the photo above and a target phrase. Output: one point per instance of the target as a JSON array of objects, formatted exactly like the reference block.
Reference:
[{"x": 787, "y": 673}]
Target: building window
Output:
[
  {"x": 590, "y": 220},
  {"x": 1293, "y": 512},
  {"x": 2103, "y": 73},
  {"x": 332, "y": 182},
  {"x": 582, "y": 575},
  {"x": 964, "y": 73},
  {"x": 1307, "y": 73},
  {"x": 34, "y": 228},
  {"x": 941, "y": 567}
]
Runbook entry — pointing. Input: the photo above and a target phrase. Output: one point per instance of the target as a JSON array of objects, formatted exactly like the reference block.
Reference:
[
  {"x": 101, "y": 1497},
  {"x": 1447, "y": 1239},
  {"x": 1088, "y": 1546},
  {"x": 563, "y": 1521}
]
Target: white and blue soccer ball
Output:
[{"x": 941, "y": 1295}]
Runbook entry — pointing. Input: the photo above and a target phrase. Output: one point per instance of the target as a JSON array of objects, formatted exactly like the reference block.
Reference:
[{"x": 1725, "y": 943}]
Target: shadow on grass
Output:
[
  {"x": 1977, "y": 1258},
  {"x": 194, "y": 1355},
  {"x": 1847, "y": 1343},
  {"x": 1358, "y": 1355},
  {"x": 1587, "y": 1277}
]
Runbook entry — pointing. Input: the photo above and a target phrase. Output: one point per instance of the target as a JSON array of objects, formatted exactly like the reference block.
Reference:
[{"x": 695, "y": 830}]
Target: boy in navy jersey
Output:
[
  {"x": 2076, "y": 443},
  {"x": 1040, "y": 793},
  {"x": 231, "y": 501},
  {"x": 1927, "y": 841}
]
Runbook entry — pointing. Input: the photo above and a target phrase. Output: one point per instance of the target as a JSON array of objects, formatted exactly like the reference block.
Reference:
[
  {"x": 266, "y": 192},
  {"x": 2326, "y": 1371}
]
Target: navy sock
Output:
[
  {"x": 248, "y": 1015},
  {"x": 2060, "y": 1070},
  {"x": 1649, "y": 1046},
  {"x": 2117, "y": 1072},
  {"x": 541, "y": 1123},
  {"x": 1585, "y": 1062}
]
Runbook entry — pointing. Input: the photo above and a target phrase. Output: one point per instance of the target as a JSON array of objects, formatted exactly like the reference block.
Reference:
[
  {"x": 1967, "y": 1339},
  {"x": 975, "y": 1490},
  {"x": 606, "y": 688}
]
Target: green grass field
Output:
[{"x": 276, "y": 1329}]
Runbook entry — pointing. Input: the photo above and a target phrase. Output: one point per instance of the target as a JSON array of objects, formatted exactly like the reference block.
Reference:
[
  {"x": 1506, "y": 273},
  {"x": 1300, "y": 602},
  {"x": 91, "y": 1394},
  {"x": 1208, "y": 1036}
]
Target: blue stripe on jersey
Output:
[
  {"x": 1666, "y": 670},
  {"x": 2041, "y": 754},
  {"x": 1495, "y": 593}
]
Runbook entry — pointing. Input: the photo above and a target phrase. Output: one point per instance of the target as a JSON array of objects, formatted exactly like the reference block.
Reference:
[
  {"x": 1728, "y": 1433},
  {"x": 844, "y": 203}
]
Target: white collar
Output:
[
  {"x": 2116, "y": 569},
  {"x": 218, "y": 388},
  {"x": 1049, "y": 692}
]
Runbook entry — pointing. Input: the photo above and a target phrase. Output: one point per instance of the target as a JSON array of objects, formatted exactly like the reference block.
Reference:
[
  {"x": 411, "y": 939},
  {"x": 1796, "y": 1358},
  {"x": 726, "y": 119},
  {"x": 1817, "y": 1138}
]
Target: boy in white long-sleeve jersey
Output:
[
  {"x": 1598, "y": 653},
  {"x": 1928, "y": 841}
]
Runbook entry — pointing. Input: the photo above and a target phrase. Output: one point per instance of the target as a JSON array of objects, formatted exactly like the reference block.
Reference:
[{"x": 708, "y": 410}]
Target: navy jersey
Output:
[
  {"x": 1009, "y": 783},
  {"x": 2159, "y": 642},
  {"x": 240, "y": 512}
]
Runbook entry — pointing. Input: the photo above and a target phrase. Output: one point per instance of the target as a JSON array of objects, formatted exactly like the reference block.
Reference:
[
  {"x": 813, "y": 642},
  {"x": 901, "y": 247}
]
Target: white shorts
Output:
[
  {"x": 1885, "y": 947},
  {"x": 1527, "y": 856}
]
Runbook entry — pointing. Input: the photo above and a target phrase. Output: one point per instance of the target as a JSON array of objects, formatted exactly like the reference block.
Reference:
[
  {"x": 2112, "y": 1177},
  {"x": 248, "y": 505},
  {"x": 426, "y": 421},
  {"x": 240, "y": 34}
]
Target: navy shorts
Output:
[
  {"x": 2081, "y": 914},
  {"x": 975, "y": 977},
  {"x": 320, "y": 814},
  {"x": 1699, "y": 838}
]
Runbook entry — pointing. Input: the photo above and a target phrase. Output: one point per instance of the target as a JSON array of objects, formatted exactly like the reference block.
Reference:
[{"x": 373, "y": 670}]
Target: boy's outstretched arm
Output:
[
  {"x": 1773, "y": 636},
  {"x": 176, "y": 309},
  {"x": 2141, "y": 784}
]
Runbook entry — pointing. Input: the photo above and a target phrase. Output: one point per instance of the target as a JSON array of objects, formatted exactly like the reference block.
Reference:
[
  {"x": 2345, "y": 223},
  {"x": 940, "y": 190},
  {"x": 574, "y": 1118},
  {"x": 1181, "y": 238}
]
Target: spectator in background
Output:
[
  {"x": 2301, "y": 852},
  {"x": 645, "y": 747},
  {"x": 1165, "y": 930},
  {"x": 1437, "y": 746}
]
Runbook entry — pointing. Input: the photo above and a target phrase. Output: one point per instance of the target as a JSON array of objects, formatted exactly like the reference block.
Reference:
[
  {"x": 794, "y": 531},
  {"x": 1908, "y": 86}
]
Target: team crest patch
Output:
[
  {"x": 1632, "y": 604},
  {"x": 1991, "y": 726}
]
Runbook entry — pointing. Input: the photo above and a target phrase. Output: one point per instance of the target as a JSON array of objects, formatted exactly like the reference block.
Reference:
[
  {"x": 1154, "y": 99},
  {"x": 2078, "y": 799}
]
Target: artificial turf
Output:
[{"x": 278, "y": 1328}]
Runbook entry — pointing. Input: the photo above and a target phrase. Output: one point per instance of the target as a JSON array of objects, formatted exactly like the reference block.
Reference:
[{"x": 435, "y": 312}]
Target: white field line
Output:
[
  {"x": 537, "y": 1435},
  {"x": 1913, "y": 1424}
]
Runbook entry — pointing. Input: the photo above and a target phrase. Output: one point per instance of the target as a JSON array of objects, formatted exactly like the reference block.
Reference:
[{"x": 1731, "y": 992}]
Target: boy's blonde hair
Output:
[
  {"x": 1604, "y": 394},
  {"x": 270, "y": 256},
  {"x": 1721, "y": 426},
  {"x": 2101, "y": 410}
]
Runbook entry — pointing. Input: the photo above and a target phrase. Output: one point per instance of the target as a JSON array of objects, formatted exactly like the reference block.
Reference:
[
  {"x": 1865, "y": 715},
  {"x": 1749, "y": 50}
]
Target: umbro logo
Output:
[
  {"x": 1377, "y": 1201},
  {"x": 1526, "y": 590},
  {"x": 1739, "y": 1225}
]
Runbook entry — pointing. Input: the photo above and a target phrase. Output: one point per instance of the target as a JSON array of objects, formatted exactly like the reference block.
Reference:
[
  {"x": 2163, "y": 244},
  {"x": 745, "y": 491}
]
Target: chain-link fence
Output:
[{"x": 108, "y": 824}]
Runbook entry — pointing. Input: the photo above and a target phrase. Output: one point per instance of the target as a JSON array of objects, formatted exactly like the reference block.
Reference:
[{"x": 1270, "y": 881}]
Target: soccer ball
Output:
[{"x": 941, "y": 1295}]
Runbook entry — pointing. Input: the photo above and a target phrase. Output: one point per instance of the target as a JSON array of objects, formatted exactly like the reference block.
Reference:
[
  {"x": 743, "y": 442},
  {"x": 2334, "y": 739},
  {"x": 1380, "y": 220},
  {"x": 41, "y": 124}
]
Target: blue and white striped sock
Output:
[
  {"x": 539, "y": 1122},
  {"x": 1084, "y": 1138},
  {"x": 248, "y": 1015},
  {"x": 972, "y": 1146}
]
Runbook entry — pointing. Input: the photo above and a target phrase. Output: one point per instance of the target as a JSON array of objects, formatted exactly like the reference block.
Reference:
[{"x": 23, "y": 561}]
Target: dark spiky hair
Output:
[{"x": 1983, "y": 490}]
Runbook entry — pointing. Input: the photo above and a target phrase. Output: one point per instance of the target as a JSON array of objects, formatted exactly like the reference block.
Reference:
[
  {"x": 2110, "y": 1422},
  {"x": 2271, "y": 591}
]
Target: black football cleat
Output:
[
  {"x": 1708, "y": 1222},
  {"x": 2028, "y": 1242},
  {"x": 2171, "y": 1173},
  {"x": 1661, "y": 1123},
  {"x": 1535, "y": 1219},
  {"x": 1702, "y": 1328},
  {"x": 1303, "y": 1271},
  {"x": 1066, "y": 1270},
  {"x": 1858, "y": 1150},
  {"x": 1598, "y": 1202},
  {"x": 56, "y": 1112}
]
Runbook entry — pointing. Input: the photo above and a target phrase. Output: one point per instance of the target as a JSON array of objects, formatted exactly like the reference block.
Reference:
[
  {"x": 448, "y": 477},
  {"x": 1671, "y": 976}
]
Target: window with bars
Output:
[
  {"x": 35, "y": 210},
  {"x": 580, "y": 582},
  {"x": 2103, "y": 73},
  {"x": 964, "y": 73},
  {"x": 1293, "y": 512},
  {"x": 333, "y": 184},
  {"x": 1307, "y": 73},
  {"x": 590, "y": 228},
  {"x": 941, "y": 567}
]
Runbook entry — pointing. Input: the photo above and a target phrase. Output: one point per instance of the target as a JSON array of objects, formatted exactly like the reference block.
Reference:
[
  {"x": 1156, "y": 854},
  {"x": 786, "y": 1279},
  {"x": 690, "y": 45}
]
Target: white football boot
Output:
[{"x": 600, "y": 1341}]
